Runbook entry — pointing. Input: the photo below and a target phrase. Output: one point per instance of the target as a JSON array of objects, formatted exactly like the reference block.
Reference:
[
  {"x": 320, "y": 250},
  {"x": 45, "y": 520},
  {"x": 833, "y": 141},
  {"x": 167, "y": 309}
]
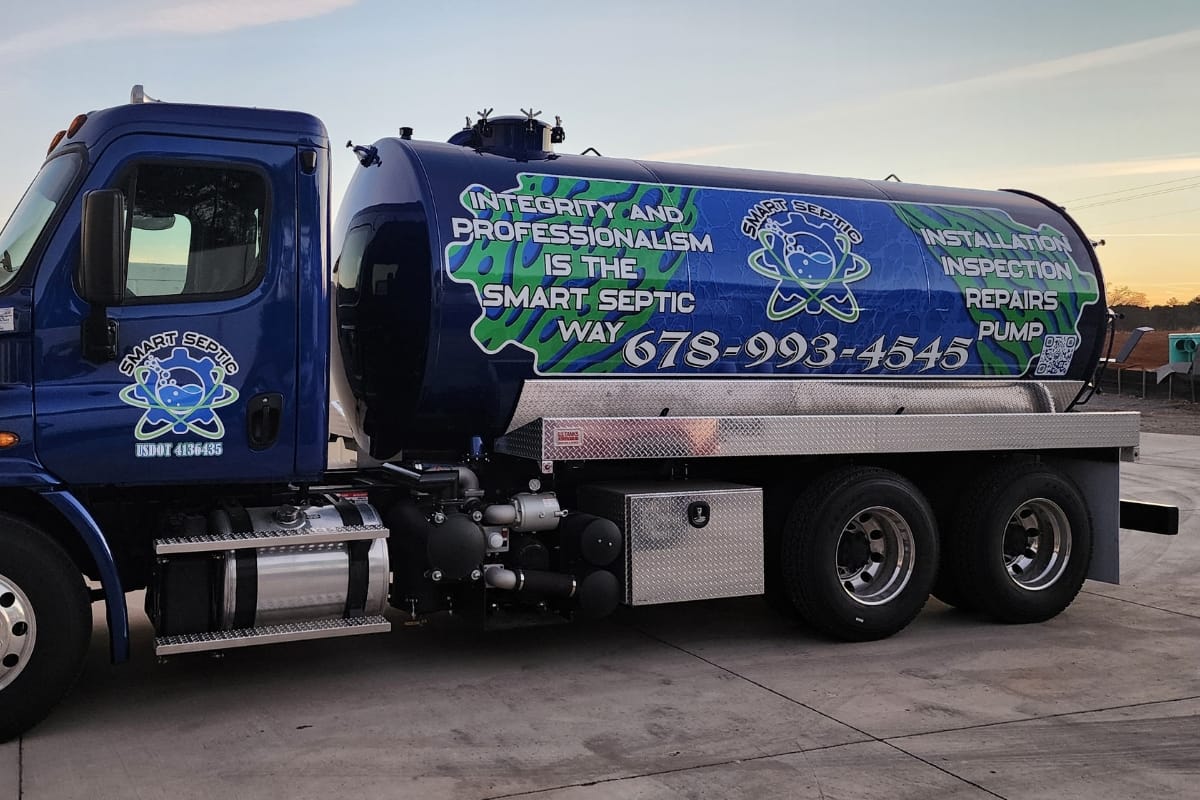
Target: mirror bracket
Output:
[{"x": 99, "y": 337}]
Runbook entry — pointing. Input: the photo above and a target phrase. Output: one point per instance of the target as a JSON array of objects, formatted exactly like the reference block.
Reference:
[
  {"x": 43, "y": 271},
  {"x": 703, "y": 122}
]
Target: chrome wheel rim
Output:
[
  {"x": 875, "y": 556},
  {"x": 1037, "y": 544},
  {"x": 18, "y": 631}
]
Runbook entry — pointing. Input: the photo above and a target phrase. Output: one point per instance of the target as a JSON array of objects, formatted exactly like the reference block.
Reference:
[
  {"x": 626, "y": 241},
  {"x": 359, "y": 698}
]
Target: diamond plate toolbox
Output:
[{"x": 685, "y": 540}]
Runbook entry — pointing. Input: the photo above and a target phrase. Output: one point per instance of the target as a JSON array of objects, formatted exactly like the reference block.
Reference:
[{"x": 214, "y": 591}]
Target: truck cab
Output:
[
  {"x": 164, "y": 323},
  {"x": 218, "y": 284}
]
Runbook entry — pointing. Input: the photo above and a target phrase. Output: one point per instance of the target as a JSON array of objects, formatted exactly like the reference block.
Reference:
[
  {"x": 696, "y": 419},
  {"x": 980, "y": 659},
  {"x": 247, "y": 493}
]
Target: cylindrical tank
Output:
[
  {"x": 220, "y": 586},
  {"x": 465, "y": 269}
]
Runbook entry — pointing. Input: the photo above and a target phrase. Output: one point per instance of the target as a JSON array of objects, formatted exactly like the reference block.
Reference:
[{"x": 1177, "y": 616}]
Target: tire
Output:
[
  {"x": 777, "y": 505},
  {"x": 944, "y": 491},
  {"x": 1022, "y": 543},
  {"x": 951, "y": 586},
  {"x": 45, "y": 625},
  {"x": 949, "y": 589},
  {"x": 830, "y": 545}
]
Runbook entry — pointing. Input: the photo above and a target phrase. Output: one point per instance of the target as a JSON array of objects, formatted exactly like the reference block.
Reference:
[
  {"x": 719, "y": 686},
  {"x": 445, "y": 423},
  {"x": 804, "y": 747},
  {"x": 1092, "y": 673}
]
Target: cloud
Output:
[
  {"x": 1115, "y": 169},
  {"x": 1052, "y": 175},
  {"x": 1068, "y": 65},
  {"x": 1036, "y": 72},
  {"x": 194, "y": 18}
]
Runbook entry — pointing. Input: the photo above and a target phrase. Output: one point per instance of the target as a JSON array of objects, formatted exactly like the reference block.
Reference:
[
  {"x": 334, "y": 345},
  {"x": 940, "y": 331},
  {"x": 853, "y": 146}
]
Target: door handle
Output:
[{"x": 263, "y": 413}]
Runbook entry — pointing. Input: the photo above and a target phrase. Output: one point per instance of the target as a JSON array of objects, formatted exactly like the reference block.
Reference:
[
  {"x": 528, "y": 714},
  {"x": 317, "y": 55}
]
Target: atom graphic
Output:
[
  {"x": 812, "y": 266},
  {"x": 179, "y": 394}
]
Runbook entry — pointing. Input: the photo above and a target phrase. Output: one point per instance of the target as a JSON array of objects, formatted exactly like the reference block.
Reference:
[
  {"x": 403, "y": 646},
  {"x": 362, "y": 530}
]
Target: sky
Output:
[{"x": 1094, "y": 104}]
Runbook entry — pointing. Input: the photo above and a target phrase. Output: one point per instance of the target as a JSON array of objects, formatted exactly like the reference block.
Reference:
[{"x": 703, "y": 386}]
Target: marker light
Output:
[
  {"x": 8, "y": 439},
  {"x": 58, "y": 137},
  {"x": 75, "y": 125}
]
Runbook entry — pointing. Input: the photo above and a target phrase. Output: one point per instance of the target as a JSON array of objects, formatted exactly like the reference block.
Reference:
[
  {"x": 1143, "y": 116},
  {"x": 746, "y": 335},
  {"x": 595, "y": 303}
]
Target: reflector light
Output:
[{"x": 75, "y": 125}]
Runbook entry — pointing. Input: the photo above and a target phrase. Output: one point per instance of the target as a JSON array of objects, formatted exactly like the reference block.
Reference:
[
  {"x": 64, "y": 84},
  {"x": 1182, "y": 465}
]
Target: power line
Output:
[
  {"x": 1132, "y": 188},
  {"x": 1141, "y": 196}
]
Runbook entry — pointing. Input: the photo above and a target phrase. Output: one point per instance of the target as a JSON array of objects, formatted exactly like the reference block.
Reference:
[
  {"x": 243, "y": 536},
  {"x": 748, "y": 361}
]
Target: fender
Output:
[{"x": 114, "y": 596}]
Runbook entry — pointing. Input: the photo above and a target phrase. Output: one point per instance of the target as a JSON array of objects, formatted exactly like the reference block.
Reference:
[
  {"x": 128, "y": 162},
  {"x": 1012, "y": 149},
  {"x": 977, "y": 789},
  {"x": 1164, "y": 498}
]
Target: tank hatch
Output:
[{"x": 521, "y": 137}]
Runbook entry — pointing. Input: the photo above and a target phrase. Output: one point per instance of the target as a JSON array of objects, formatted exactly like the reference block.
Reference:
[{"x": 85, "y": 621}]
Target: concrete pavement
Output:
[{"x": 718, "y": 699}]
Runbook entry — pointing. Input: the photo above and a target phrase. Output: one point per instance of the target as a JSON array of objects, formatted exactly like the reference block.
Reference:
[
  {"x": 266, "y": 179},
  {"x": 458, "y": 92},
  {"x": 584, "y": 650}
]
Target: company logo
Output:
[
  {"x": 807, "y": 251},
  {"x": 179, "y": 382}
]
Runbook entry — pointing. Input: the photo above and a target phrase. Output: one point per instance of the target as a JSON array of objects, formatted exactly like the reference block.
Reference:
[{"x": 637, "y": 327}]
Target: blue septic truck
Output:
[{"x": 568, "y": 382}]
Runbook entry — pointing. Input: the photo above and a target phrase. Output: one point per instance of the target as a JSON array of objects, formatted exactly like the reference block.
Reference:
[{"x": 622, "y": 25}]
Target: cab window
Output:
[
  {"x": 29, "y": 219},
  {"x": 194, "y": 232}
]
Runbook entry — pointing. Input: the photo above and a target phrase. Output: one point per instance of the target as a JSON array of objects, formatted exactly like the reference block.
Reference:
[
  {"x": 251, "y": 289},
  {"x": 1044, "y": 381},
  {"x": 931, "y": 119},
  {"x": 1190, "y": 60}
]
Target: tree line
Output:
[{"x": 1136, "y": 311}]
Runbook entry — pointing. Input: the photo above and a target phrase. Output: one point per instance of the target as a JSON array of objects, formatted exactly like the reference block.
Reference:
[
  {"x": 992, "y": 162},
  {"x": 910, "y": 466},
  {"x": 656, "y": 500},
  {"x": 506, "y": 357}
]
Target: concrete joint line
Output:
[
  {"x": 657, "y": 772},
  {"x": 998, "y": 723},
  {"x": 943, "y": 770},
  {"x": 1141, "y": 605},
  {"x": 830, "y": 717}
]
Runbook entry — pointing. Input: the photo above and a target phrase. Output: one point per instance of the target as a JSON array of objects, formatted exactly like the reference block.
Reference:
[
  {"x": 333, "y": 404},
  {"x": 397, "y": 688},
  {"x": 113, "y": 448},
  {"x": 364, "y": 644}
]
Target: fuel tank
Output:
[{"x": 468, "y": 272}]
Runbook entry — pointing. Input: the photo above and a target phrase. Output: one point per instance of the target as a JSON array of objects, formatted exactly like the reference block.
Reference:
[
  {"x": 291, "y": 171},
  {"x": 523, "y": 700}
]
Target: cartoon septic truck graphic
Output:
[
  {"x": 813, "y": 264},
  {"x": 572, "y": 382},
  {"x": 180, "y": 395}
]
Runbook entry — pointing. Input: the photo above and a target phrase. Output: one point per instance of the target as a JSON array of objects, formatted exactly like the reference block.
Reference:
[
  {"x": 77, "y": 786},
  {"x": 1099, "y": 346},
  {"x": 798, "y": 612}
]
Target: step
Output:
[
  {"x": 269, "y": 634},
  {"x": 267, "y": 538}
]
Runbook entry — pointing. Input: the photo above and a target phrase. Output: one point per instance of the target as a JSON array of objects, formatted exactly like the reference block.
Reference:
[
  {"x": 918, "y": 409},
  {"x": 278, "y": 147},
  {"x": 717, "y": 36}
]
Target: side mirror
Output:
[
  {"x": 103, "y": 267},
  {"x": 104, "y": 261}
]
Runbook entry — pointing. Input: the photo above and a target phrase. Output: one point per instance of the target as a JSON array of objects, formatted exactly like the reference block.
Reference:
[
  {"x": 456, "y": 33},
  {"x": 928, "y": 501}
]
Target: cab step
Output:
[
  {"x": 276, "y": 538},
  {"x": 269, "y": 634}
]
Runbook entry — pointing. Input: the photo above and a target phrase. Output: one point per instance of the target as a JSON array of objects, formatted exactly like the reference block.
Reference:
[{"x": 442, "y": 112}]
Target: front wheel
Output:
[
  {"x": 1021, "y": 543},
  {"x": 45, "y": 625},
  {"x": 859, "y": 553}
]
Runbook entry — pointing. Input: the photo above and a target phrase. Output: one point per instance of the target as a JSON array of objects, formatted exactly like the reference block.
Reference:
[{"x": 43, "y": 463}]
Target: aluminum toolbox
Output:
[{"x": 684, "y": 540}]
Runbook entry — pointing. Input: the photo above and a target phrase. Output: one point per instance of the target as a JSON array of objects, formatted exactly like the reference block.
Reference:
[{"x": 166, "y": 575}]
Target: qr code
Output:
[{"x": 1057, "y": 352}]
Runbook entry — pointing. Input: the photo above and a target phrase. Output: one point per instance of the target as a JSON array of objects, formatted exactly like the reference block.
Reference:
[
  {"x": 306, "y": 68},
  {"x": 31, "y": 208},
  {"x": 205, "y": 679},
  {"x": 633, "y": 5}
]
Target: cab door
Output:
[{"x": 203, "y": 386}]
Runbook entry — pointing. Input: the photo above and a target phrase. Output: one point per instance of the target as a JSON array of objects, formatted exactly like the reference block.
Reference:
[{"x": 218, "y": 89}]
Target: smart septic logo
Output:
[
  {"x": 807, "y": 251},
  {"x": 179, "y": 382}
]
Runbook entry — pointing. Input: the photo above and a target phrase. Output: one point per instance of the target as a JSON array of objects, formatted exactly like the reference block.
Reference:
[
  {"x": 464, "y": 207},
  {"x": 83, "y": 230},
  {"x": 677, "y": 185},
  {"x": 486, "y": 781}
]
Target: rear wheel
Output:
[
  {"x": 777, "y": 503},
  {"x": 951, "y": 586},
  {"x": 45, "y": 625},
  {"x": 859, "y": 553},
  {"x": 949, "y": 589},
  {"x": 1022, "y": 543}
]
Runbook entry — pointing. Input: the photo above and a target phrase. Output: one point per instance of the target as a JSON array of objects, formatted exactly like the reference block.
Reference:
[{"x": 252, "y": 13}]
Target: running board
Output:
[
  {"x": 277, "y": 538},
  {"x": 269, "y": 634}
]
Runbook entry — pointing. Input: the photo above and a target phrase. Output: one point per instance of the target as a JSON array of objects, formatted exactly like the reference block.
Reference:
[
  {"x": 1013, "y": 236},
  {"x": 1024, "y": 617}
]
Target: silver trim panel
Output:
[
  {"x": 622, "y": 438},
  {"x": 771, "y": 396},
  {"x": 276, "y": 538},
  {"x": 270, "y": 634}
]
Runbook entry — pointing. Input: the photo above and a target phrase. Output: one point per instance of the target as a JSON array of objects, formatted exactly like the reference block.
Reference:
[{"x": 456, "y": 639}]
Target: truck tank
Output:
[{"x": 488, "y": 281}]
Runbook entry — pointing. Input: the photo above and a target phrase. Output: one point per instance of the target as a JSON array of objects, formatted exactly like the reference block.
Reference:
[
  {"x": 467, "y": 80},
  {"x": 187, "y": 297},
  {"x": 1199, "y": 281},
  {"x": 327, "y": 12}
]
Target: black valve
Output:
[
  {"x": 484, "y": 127},
  {"x": 368, "y": 155},
  {"x": 531, "y": 118}
]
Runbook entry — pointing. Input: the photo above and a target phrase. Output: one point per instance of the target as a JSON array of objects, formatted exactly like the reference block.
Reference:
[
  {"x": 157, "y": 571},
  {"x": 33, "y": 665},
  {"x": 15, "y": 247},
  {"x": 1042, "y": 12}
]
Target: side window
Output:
[
  {"x": 194, "y": 231},
  {"x": 350, "y": 263}
]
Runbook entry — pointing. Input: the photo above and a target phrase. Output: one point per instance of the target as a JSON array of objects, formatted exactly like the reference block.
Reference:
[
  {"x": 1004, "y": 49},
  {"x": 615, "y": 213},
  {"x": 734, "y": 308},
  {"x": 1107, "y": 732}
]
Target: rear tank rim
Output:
[
  {"x": 1037, "y": 544},
  {"x": 18, "y": 631},
  {"x": 874, "y": 559}
]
